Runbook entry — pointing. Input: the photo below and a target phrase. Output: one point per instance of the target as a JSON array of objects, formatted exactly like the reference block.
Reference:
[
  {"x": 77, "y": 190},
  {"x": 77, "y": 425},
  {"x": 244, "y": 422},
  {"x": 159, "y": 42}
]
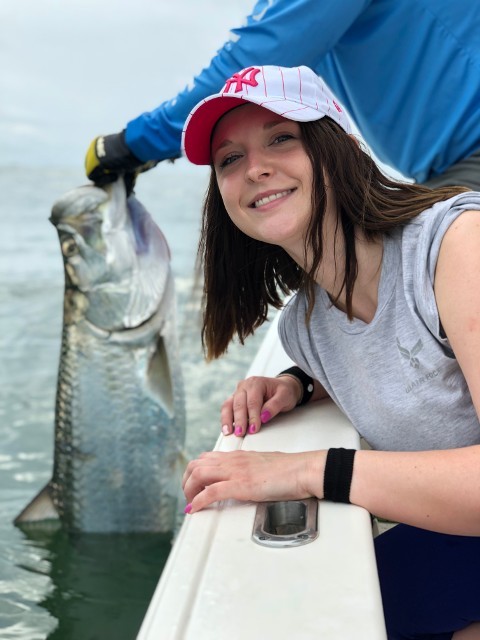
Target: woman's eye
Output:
[
  {"x": 283, "y": 138},
  {"x": 229, "y": 160}
]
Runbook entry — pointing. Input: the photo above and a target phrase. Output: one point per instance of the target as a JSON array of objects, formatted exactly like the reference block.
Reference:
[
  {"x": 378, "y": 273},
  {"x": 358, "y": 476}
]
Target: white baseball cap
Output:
[{"x": 296, "y": 93}]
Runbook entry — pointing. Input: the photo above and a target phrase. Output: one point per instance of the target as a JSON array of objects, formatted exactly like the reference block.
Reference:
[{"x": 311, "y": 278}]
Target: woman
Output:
[{"x": 385, "y": 321}]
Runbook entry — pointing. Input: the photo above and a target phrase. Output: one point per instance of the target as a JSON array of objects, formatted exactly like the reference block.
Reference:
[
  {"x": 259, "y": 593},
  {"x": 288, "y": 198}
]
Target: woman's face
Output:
[{"x": 264, "y": 175}]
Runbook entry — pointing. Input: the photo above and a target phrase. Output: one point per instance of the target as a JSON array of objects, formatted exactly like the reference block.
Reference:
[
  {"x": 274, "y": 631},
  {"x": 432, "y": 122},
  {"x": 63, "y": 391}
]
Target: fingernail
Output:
[
  {"x": 265, "y": 416},
  {"x": 252, "y": 428},
  {"x": 188, "y": 508},
  {"x": 238, "y": 431},
  {"x": 226, "y": 430}
]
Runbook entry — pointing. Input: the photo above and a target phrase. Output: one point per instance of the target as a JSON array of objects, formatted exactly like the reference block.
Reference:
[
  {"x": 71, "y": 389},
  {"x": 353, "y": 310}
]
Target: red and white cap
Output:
[{"x": 296, "y": 93}]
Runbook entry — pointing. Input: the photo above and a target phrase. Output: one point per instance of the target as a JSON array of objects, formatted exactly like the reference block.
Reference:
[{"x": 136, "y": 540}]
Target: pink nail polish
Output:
[
  {"x": 188, "y": 508},
  {"x": 252, "y": 428},
  {"x": 226, "y": 430},
  {"x": 265, "y": 416},
  {"x": 238, "y": 431}
]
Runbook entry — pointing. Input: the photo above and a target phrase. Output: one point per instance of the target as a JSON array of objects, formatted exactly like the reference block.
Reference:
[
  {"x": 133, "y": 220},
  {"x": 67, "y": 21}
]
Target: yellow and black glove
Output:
[{"x": 108, "y": 157}]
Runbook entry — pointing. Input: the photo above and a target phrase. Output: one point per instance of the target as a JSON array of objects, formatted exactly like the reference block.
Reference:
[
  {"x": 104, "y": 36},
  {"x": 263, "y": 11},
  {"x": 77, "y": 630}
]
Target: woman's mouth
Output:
[{"x": 270, "y": 198}]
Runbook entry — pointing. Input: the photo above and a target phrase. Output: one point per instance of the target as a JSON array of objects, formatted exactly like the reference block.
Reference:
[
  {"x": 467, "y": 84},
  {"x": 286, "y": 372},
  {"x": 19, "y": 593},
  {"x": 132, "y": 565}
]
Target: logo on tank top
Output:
[
  {"x": 414, "y": 384},
  {"x": 411, "y": 354}
]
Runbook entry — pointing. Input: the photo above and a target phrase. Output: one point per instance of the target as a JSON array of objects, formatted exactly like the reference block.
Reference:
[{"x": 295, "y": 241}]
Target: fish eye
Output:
[{"x": 69, "y": 247}]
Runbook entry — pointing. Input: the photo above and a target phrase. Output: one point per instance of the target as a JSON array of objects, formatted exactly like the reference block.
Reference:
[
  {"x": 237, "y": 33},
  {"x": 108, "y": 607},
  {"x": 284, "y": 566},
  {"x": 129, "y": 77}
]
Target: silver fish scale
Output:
[{"x": 116, "y": 449}]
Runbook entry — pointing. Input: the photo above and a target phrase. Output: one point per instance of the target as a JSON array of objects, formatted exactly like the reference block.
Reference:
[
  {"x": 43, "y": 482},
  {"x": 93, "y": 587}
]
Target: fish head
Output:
[{"x": 116, "y": 259}]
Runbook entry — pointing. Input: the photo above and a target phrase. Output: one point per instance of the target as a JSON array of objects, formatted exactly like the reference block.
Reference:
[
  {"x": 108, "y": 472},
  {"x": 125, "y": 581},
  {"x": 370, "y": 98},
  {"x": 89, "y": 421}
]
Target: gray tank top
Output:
[{"x": 396, "y": 378}]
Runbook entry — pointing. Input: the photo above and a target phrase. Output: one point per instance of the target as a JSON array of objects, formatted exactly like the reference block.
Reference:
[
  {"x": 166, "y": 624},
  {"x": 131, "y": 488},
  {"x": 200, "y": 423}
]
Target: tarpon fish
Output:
[{"x": 120, "y": 411}]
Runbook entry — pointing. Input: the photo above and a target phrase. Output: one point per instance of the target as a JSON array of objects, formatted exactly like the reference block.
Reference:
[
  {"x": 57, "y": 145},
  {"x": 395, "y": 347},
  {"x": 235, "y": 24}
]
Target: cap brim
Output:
[
  {"x": 202, "y": 120},
  {"x": 200, "y": 124}
]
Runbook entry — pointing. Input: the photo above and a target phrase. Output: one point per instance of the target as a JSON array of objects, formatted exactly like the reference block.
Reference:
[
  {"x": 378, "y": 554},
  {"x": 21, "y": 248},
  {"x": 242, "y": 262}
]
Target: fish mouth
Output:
[{"x": 265, "y": 199}]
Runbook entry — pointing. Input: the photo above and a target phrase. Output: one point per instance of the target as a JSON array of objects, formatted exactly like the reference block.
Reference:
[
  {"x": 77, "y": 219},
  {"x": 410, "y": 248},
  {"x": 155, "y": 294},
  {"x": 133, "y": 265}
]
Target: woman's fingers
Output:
[
  {"x": 255, "y": 402},
  {"x": 215, "y": 477},
  {"x": 240, "y": 414},
  {"x": 251, "y": 475},
  {"x": 248, "y": 405}
]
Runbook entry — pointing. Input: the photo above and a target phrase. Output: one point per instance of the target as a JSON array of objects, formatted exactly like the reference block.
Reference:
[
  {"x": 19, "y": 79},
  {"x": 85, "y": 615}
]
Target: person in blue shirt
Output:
[{"x": 407, "y": 72}]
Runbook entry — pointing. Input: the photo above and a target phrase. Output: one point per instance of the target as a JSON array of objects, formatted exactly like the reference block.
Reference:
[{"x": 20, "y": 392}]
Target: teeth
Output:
[{"x": 274, "y": 196}]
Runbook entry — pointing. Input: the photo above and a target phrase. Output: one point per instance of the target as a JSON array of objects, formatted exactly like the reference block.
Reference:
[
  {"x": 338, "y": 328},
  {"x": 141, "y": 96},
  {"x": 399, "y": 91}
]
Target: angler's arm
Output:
[{"x": 283, "y": 32}]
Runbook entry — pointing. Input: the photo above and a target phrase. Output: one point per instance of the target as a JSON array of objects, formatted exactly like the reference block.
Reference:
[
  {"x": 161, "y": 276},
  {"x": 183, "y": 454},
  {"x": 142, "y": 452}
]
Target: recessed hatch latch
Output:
[{"x": 288, "y": 523}]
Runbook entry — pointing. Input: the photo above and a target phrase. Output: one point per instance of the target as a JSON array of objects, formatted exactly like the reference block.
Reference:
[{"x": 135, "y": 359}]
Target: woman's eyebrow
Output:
[
  {"x": 273, "y": 123},
  {"x": 224, "y": 143},
  {"x": 266, "y": 126}
]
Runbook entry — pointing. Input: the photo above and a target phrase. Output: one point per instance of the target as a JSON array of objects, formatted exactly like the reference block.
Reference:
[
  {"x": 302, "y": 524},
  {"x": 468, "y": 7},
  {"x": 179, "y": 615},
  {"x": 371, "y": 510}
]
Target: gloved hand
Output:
[{"x": 109, "y": 156}]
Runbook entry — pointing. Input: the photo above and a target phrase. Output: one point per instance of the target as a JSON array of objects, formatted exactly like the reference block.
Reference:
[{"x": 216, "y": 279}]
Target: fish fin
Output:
[
  {"x": 39, "y": 509},
  {"x": 160, "y": 378}
]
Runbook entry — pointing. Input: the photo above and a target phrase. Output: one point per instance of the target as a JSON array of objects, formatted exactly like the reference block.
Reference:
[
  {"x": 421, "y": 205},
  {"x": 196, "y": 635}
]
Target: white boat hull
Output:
[{"x": 219, "y": 584}]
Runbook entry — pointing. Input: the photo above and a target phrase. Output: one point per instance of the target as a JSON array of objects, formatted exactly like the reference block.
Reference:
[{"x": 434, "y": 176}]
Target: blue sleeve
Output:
[{"x": 283, "y": 32}]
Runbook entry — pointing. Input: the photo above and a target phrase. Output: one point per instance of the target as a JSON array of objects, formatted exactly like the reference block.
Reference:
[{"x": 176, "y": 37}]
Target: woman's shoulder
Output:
[
  {"x": 421, "y": 241},
  {"x": 426, "y": 231}
]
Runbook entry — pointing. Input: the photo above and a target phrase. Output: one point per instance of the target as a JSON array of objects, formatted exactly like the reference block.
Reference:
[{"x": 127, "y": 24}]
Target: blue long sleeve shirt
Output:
[{"x": 407, "y": 71}]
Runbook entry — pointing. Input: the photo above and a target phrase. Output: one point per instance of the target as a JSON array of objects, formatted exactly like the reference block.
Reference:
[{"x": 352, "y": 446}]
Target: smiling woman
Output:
[{"x": 295, "y": 205}]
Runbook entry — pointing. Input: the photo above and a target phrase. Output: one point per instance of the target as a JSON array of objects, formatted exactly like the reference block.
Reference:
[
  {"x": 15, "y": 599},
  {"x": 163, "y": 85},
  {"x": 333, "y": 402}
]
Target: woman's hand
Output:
[
  {"x": 252, "y": 475},
  {"x": 257, "y": 400}
]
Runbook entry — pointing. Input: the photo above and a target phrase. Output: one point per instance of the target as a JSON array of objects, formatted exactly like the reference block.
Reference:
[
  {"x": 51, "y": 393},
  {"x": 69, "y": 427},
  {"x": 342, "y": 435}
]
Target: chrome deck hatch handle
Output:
[{"x": 288, "y": 523}]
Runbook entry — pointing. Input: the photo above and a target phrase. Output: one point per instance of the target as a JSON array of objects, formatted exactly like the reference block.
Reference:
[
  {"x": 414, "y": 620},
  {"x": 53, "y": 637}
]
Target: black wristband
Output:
[
  {"x": 305, "y": 380},
  {"x": 338, "y": 475}
]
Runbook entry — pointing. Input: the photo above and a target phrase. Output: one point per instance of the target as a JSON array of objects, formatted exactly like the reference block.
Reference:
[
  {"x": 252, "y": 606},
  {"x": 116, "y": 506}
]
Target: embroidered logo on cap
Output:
[{"x": 246, "y": 77}]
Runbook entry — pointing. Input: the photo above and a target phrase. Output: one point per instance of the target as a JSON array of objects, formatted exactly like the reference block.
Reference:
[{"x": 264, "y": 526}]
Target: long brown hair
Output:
[{"x": 243, "y": 276}]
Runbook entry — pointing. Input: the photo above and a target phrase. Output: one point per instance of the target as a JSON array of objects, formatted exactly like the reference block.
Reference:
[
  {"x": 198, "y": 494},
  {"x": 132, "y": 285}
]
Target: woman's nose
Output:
[{"x": 258, "y": 167}]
